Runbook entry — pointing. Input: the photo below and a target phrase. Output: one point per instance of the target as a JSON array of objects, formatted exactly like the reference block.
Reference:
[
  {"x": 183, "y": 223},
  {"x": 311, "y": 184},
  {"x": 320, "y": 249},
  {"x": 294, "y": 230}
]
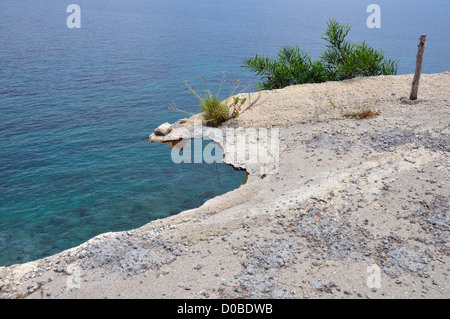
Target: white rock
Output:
[{"x": 163, "y": 129}]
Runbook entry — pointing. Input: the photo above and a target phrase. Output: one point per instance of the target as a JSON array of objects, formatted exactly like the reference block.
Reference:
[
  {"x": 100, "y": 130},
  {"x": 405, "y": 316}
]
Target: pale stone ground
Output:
[{"x": 351, "y": 209}]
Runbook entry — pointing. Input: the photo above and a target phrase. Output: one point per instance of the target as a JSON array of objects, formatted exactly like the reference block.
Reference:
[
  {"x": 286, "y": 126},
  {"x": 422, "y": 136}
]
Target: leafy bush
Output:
[
  {"x": 292, "y": 66},
  {"x": 345, "y": 60},
  {"x": 341, "y": 60}
]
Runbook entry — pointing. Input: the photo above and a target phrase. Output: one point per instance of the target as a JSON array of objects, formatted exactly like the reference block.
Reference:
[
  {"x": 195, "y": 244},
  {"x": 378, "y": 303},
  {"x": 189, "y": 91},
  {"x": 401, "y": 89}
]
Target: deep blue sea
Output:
[{"x": 77, "y": 104}]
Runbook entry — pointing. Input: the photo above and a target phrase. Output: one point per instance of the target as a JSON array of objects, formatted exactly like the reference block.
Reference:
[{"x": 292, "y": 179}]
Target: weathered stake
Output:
[{"x": 419, "y": 59}]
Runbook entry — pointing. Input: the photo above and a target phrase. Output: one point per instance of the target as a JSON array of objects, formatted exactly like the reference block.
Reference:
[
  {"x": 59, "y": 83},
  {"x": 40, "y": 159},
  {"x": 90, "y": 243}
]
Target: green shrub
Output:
[
  {"x": 215, "y": 111},
  {"x": 341, "y": 60},
  {"x": 346, "y": 60},
  {"x": 292, "y": 66}
]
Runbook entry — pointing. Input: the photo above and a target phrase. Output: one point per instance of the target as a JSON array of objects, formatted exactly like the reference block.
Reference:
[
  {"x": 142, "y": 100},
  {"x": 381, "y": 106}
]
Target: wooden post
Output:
[{"x": 419, "y": 59}]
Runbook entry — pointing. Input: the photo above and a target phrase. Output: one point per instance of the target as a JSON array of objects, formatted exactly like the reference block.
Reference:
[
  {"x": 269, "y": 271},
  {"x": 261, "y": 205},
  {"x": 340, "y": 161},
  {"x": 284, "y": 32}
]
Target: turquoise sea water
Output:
[{"x": 75, "y": 104}]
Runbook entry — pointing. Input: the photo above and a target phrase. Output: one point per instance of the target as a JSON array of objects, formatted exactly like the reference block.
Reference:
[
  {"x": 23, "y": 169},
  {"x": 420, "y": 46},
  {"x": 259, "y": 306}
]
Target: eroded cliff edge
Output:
[{"x": 354, "y": 209}]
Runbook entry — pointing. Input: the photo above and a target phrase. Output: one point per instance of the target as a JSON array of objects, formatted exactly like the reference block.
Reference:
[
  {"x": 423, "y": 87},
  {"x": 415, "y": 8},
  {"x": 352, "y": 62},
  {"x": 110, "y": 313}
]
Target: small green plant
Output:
[
  {"x": 236, "y": 106},
  {"x": 215, "y": 111},
  {"x": 341, "y": 60}
]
